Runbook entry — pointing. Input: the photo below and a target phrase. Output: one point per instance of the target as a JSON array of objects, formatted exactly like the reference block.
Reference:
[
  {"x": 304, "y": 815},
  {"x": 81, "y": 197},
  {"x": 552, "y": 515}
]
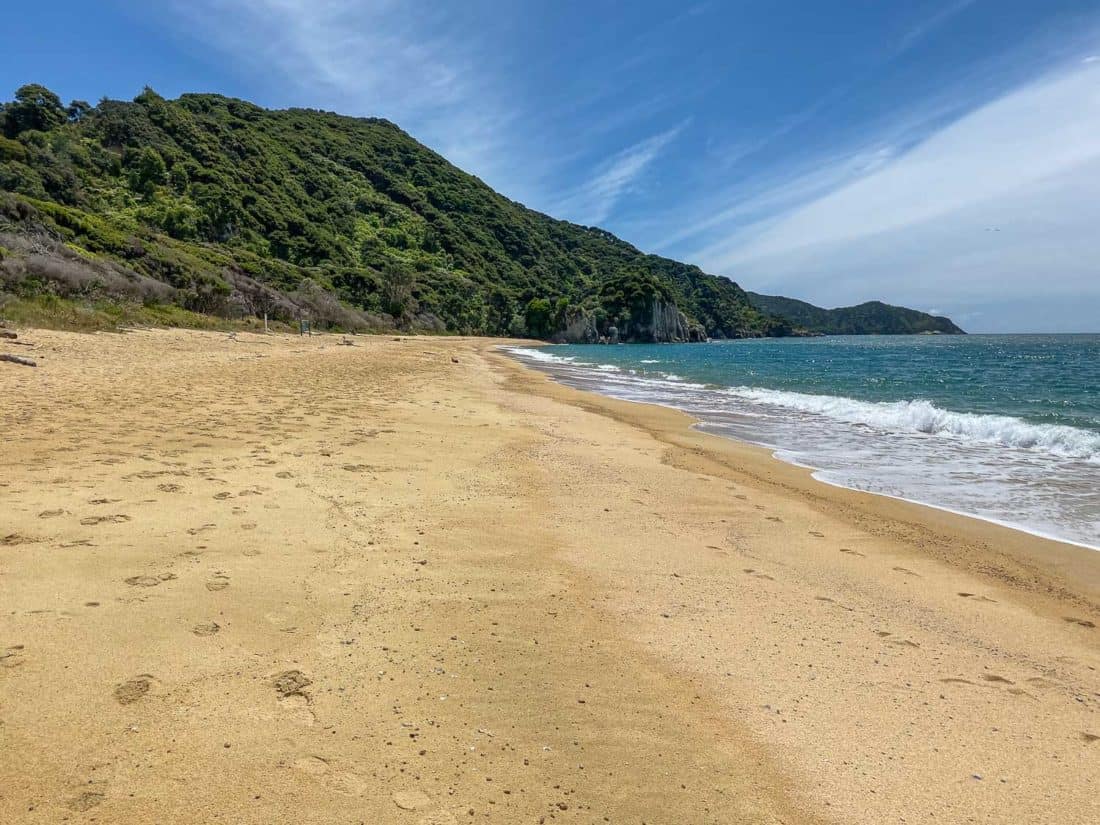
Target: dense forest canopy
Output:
[
  {"x": 228, "y": 203},
  {"x": 222, "y": 207},
  {"x": 871, "y": 318}
]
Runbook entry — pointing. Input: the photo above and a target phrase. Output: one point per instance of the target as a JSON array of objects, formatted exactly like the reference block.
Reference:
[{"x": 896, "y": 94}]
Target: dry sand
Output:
[{"x": 279, "y": 580}]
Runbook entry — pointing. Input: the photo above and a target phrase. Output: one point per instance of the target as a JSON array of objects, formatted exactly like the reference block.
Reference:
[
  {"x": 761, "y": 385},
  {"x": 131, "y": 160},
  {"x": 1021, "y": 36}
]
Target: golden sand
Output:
[{"x": 281, "y": 580}]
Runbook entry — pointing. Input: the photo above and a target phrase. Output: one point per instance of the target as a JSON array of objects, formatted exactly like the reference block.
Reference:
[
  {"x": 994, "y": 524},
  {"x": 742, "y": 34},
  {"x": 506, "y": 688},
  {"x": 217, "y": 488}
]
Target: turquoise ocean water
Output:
[{"x": 1003, "y": 427}]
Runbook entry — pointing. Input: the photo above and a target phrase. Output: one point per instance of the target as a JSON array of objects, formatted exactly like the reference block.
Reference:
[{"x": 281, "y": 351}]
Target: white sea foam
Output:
[
  {"x": 540, "y": 355},
  {"x": 921, "y": 416},
  {"x": 1035, "y": 477}
]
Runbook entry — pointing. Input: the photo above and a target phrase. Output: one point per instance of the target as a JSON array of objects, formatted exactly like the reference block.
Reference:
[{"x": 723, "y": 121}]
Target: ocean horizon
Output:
[{"x": 1004, "y": 428}]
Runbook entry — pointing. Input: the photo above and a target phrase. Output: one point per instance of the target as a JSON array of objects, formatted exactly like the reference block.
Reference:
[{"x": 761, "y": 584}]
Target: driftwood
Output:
[
  {"x": 17, "y": 359},
  {"x": 6, "y": 334}
]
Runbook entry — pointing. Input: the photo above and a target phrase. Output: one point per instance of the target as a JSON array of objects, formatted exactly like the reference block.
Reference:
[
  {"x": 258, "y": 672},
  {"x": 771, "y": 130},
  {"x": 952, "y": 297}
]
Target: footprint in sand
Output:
[
  {"x": 956, "y": 681},
  {"x": 150, "y": 581},
  {"x": 169, "y": 488},
  {"x": 1079, "y": 622},
  {"x": 51, "y": 513},
  {"x": 15, "y": 539},
  {"x": 219, "y": 581},
  {"x": 852, "y": 552},
  {"x": 1041, "y": 683},
  {"x": 313, "y": 765},
  {"x": 117, "y": 518},
  {"x": 206, "y": 628},
  {"x": 977, "y": 598},
  {"x": 12, "y": 657},
  {"x": 291, "y": 683},
  {"x": 776, "y": 519},
  {"x": 131, "y": 691},
  {"x": 907, "y": 571},
  {"x": 993, "y": 677},
  {"x": 194, "y": 531},
  {"x": 223, "y": 496},
  {"x": 815, "y": 533},
  {"x": 345, "y": 782},
  {"x": 296, "y": 708},
  {"x": 1090, "y": 737},
  {"x": 411, "y": 800},
  {"x": 752, "y": 572},
  {"x": 84, "y": 801},
  {"x": 902, "y": 643}
]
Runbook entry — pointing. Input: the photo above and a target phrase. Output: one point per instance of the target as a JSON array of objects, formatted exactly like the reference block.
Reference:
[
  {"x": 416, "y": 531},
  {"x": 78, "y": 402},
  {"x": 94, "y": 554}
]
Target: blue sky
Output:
[{"x": 943, "y": 154}]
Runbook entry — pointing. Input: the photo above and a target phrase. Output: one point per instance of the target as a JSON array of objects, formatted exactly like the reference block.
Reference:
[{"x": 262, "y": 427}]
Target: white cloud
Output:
[
  {"x": 418, "y": 64},
  {"x": 927, "y": 26},
  {"x": 594, "y": 201},
  {"x": 1027, "y": 164}
]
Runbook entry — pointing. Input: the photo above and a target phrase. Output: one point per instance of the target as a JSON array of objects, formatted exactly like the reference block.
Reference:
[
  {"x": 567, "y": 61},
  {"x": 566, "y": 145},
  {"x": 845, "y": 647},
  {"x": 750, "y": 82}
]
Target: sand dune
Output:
[{"x": 276, "y": 579}]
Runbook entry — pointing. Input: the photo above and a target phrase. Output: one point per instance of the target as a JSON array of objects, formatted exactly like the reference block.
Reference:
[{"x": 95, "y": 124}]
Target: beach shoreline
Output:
[
  {"x": 1036, "y": 477},
  {"x": 1060, "y": 558},
  {"x": 272, "y": 578}
]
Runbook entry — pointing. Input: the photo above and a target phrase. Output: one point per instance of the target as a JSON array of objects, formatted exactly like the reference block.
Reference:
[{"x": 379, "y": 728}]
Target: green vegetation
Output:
[
  {"x": 217, "y": 207},
  {"x": 222, "y": 208},
  {"x": 871, "y": 318},
  {"x": 52, "y": 312}
]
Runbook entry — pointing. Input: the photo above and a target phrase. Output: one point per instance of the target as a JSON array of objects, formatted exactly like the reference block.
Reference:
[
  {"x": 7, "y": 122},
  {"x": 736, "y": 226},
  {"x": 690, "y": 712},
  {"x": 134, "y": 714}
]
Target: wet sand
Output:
[{"x": 276, "y": 579}]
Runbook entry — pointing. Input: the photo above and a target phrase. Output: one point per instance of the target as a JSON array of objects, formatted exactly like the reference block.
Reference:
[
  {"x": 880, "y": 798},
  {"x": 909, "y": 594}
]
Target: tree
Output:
[
  {"x": 78, "y": 110},
  {"x": 148, "y": 172},
  {"x": 499, "y": 311},
  {"x": 397, "y": 293},
  {"x": 538, "y": 317},
  {"x": 34, "y": 107}
]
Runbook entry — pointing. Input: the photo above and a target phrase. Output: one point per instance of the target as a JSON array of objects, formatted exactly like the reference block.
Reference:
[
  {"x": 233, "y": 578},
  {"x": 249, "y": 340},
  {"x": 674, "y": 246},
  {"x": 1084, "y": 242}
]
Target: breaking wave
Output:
[{"x": 919, "y": 416}]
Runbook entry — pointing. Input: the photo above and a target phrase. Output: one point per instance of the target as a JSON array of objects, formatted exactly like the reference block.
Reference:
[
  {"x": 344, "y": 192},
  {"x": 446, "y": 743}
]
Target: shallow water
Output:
[{"x": 1002, "y": 427}]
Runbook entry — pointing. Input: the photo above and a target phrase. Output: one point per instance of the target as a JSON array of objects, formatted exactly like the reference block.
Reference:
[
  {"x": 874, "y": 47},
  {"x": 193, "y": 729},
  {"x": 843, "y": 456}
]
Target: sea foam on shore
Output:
[{"x": 1037, "y": 477}]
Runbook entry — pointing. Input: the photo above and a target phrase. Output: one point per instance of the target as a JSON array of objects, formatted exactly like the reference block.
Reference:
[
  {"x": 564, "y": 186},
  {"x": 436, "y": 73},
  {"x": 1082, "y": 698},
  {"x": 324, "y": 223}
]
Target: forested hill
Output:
[
  {"x": 871, "y": 318},
  {"x": 226, "y": 208},
  {"x": 219, "y": 207}
]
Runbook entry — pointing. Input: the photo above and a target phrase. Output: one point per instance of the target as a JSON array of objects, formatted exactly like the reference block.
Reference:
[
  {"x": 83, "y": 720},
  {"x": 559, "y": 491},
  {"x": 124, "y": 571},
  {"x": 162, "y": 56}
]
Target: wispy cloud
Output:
[
  {"x": 594, "y": 201},
  {"x": 418, "y": 64},
  {"x": 928, "y": 25},
  {"x": 987, "y": 203},
  {"x": 777, "y": 188}
]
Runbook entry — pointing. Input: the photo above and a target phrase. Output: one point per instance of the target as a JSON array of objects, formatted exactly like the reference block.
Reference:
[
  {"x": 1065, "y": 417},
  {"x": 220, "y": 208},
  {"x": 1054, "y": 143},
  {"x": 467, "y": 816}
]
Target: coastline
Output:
[
  {"x": 272, "y": 578},
  {"x": 864, "y": 444},
  {"x": 1053, "y": 562}
]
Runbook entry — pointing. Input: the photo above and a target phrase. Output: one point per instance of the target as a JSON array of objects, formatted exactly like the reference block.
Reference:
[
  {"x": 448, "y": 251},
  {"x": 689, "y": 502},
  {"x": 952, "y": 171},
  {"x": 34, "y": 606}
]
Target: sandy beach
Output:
[{"x": 272, "y": 579}]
